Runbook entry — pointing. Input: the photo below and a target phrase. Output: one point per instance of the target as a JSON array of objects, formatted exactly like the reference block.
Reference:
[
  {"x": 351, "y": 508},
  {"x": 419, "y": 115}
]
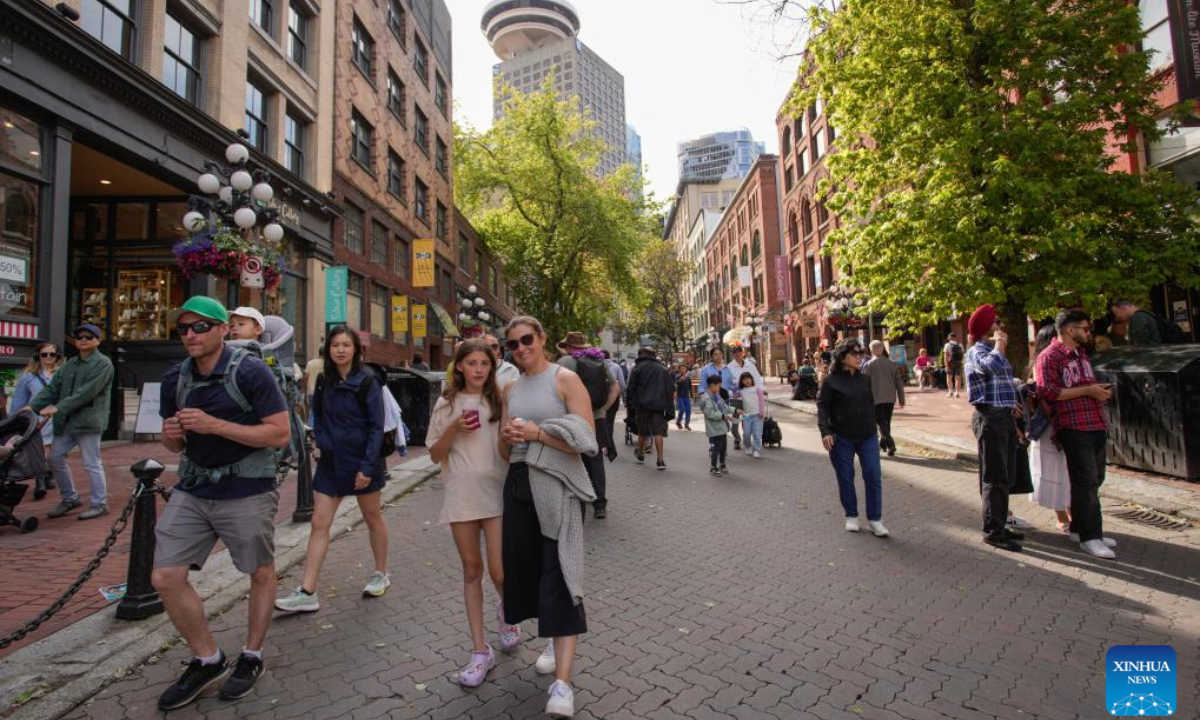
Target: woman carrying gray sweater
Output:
[{"x": 547, "y": 421}]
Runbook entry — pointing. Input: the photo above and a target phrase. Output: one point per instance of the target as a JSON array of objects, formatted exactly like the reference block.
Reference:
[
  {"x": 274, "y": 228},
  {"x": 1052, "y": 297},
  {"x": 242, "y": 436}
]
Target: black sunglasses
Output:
[
  {"x": 84, "y": 336},
  {"x": 199, "y": 327},
  {"x": 48, "y": 354},
  {"x": 526, "y": 340}
]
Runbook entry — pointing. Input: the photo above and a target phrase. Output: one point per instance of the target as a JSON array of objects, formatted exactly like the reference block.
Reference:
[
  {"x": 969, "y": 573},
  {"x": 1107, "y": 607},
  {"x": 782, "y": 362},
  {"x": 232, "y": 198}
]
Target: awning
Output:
[{"x": 449, "y": 327}]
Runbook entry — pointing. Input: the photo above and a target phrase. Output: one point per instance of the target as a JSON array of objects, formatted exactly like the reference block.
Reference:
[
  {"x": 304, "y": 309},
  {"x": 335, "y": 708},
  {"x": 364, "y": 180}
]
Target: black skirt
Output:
[{"x": 533, "y": 581}]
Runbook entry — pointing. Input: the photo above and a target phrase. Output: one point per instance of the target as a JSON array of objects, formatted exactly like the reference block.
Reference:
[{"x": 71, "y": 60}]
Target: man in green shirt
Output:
[
  {"x": 1142, "y": 325},
  {"x": 77, "y": 399}
]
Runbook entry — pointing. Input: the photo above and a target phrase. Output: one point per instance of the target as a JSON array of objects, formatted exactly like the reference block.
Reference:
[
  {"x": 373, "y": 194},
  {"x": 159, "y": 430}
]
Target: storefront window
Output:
[
  {"x": 354, "y": 301},
  {"x": 380, "y": 299},
  {"x": 21, "y": 142},
  {"x": 18, "y": 245}
]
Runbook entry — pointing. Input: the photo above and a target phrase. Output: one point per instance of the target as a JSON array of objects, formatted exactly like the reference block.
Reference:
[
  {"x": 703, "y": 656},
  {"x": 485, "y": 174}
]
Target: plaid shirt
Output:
[
  {"x": 1059, "y": 368},
  {"x": 989, "y": 377}
]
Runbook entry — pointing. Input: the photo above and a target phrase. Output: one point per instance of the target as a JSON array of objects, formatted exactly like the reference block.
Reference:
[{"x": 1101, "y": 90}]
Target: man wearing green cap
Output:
[{"x": 224, "y": 413}]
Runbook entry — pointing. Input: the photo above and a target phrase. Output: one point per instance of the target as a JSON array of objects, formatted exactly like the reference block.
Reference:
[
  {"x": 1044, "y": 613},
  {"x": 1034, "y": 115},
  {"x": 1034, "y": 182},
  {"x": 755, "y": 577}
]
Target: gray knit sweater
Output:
[{"x": 559, "y": 483}]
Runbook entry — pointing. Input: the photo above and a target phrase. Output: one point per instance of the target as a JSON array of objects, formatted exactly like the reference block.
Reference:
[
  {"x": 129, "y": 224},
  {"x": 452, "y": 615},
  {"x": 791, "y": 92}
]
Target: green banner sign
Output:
[{"x": 336, "y": 279}]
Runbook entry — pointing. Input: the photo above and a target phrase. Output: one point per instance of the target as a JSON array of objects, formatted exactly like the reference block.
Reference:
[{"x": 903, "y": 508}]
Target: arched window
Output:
[
  {"x": 806, "y": 217},
  {"x": 745, "y": 256},
  {"x": 822, "y": 214},
  {"x": 756, "y": 247},
  {"x": 787, "y": 141},
  {"x": 793, "y": 232}
]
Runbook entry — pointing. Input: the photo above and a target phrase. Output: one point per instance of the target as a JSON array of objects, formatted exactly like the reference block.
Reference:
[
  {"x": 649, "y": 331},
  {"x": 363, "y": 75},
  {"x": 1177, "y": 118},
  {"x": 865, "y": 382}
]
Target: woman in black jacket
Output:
[{"x": 846, "y": 416}]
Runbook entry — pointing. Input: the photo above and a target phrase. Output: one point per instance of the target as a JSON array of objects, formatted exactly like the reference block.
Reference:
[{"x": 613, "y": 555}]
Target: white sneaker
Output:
[
  {"x": 749, "y": 450},
  {"x": 1019, "y": 523},
  {"x": 852, "y": 524},
  {"x": 545, "y": 664},
  {"x": 1098, "y": 548},
  {"x": 757, "y": 454},
  {"x": 562, "y": 700},
  {"x": 1074, "y": 537},
  {"x": 877, "y": 528},
  {"x": 377, "y": 585}
]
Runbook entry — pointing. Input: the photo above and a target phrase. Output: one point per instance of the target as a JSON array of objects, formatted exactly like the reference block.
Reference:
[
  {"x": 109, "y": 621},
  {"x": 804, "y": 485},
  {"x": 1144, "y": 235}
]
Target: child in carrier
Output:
[{"x": 717, "y": 417}]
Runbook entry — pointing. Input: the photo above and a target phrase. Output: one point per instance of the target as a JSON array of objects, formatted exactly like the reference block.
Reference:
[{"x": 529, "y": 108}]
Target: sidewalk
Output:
[
  {"x": 935, "y": 422},
  {"x": 37, "y": 567}
]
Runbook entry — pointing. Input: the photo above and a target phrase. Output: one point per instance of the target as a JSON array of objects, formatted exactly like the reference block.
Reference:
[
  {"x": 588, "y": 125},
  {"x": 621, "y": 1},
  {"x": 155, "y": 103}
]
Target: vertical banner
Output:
[
  {"x": 336, "y": 279},
  {"x": 423, "y": 269},
  {"x": 399, "y": 313},
  {"x": 783, "y": 290},
  {"x": 419, "y": 313},
  {"x": 1184, "y": 16},
  {"x": 744, "y": 278}
]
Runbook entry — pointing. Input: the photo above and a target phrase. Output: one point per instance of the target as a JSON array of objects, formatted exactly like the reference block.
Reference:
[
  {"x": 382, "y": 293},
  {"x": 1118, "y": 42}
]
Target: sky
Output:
[{"x": 691, "y": 67}]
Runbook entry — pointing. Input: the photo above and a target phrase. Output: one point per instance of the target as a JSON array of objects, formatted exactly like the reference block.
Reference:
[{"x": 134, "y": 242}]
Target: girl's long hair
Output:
[
  {"x": 35, "y": 363},
  {"x": 458, "y": 381},
  {"x": 1041, "y": 341},
  {"x": 742, "y": 380},
  {"x": 331, "y": 372}
]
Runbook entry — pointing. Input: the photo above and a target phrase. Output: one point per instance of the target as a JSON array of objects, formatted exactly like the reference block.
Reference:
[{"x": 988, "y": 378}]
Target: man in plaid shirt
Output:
[
  {"x": 990, "y": 389},
  {"x": 1066, "y": 381}
]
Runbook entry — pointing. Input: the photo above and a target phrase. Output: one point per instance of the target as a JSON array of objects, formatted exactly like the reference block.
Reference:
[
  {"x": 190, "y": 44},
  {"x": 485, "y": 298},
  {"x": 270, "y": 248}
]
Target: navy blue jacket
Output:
[{"x": 350, "y": 442}]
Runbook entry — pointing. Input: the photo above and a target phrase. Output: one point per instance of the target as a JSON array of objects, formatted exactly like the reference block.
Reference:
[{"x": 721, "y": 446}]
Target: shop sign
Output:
[
  {"x": 1185, "y": 33},
  {"x": 7, "y": 350},
  {"x": 419, "y": 322},
  {"x": 149, "y": 422},
  {"x": 337, "y": 278},
  {"x": 783, "y": 290},
  {"x": 14, "y": 269},
  {"x": 399, "y": 313}
]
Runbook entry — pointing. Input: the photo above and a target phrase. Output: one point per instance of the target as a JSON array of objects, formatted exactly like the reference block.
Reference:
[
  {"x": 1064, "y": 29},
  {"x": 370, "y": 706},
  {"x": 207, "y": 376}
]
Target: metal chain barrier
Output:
[{"x": 117, "y": 528}]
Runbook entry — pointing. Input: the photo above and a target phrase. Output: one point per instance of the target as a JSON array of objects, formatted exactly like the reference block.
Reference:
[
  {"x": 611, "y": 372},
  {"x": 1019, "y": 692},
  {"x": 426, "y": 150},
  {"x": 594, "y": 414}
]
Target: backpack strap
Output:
[{"x": 187, "y": 381}]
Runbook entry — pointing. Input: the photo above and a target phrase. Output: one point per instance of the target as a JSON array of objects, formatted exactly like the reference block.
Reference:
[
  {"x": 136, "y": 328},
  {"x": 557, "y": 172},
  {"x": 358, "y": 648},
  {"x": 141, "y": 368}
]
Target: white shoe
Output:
[
  {"x": 1098, "y": 548},
  {"x": 949, "y": 394},
  {"x": 545, "y": 664},
  {"x": 1074, "y": 537},
  {"x": 749, "y": 451},
  {"x": 562, "y": 700},
  {"x": 757, "y": 454},
  {"x": 1019, "y": 523},
  {"x": 852, "y": 524},
  {"x": 877, "y": 528}
]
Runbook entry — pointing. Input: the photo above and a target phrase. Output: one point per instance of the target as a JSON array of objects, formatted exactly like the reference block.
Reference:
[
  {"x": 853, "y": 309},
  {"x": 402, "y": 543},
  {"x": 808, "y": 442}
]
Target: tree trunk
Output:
[{"x": 1016, "y": 324}]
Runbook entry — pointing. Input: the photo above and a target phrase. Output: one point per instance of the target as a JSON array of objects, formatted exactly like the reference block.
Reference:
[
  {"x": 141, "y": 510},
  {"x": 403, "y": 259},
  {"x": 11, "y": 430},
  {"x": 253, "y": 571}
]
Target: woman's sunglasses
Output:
[
  {"x": 526, "y": 340},
  {"x": 199, "y": 327},
  {"x": 48, "y": 354}
]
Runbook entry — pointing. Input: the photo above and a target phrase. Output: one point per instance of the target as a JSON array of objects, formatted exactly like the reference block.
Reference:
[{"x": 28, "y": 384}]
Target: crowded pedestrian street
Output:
[{"x": 736, "y": 596}]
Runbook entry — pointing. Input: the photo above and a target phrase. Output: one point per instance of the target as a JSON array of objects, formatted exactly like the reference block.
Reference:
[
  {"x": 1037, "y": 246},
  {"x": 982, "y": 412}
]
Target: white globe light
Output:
[
  {"x": 463, "y": 317},
  {"x": 480, "y": 302},
  {"x": 245, "y": 218},
  {"x": 472, "y": 289},
  {"x": 273, "y": 232},
  {"x": 193, "y": 221},
  {"x": 237, "y": 153},
  {"x": 466, "y": 302},
  {"x": 262, "y": 192},
  {"x": 208, "y": 183},
  {"x": 484, "y": 316},
  {"x": 225, "y": 194},
  {"x": 241, "y": 181}
]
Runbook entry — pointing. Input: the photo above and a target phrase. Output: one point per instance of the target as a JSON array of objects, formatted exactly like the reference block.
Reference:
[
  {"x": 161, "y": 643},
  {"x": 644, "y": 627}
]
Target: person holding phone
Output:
[{"x": 463, "y": 437}]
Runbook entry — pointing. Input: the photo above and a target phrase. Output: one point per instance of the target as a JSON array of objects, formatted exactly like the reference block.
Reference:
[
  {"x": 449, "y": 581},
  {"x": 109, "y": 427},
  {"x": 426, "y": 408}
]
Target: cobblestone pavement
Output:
[{"x": 740, "y": 597}]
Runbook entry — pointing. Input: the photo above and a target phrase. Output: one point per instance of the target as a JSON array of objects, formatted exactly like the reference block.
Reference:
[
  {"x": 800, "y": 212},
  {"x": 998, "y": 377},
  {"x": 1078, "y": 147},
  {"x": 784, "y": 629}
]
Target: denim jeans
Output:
[
  {"x": 683, "y": 410},
  {"x": 89, "y": 447},
  {"x": 842, "y": 458},
  {"x": 752, "y": 431}
]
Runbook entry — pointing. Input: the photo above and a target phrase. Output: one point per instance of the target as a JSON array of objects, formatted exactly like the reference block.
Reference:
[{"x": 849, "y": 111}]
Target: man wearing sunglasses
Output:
[
  {"x": 506, "y": 372},
  {"x": 77, "y": 398},
  {"x": 224, "y": 413}
]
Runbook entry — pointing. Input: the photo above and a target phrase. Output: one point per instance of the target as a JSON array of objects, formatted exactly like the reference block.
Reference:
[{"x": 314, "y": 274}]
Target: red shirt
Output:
[{"x": 1060, "y": 368}]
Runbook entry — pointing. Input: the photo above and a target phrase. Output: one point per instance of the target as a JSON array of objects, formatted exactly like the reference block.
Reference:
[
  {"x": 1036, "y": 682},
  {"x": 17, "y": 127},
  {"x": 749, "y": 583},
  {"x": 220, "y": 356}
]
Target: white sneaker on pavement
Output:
[
  {"x": 852, "y": 524},
  {"x": 877, "y": 528},
  {"x": 545, "y": 664},
  {"x": 562, "y": 700},
  {"x": 757, "y": 454},
  {"x": 1019, "y": 523},
  {"x": 1074, "y": 537},
  {"x": 1098, "y": 548}
]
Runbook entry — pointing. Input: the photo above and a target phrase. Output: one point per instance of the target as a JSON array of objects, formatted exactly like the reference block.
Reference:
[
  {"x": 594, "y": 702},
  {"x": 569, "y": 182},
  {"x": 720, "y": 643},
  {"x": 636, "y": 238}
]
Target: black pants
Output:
[
  {"x": 883, "y": 418},
  {"x": 611, "y": 422},
  {"x": 716, "y": 449},
  {"x": 996, "y": 432},
  {"x": 1086, "y": 464}
]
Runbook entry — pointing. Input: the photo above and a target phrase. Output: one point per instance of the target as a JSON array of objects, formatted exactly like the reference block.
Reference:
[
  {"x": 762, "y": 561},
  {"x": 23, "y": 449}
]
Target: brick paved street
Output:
[{"x": 740, "y": 597}]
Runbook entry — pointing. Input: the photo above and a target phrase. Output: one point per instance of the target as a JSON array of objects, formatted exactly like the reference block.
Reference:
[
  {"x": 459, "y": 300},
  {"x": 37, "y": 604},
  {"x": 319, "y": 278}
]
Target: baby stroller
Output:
[
  {"x": 806, "y": 388},
  {"x": 630, "y": 425},
  {"x": 21, "y": 460}
]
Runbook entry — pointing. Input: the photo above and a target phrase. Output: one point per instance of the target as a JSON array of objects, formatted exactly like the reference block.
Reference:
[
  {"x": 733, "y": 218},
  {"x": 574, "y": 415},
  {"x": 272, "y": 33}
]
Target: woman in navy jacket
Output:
[{"x": 348, "y": 423}]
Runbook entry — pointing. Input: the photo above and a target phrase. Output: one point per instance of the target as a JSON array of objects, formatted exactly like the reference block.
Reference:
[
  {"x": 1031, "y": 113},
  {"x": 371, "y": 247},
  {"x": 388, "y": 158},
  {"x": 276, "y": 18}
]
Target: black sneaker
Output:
[
  {"x": 714, "y": 471},
  {"x": 724, "y": 470},
  {"x": 640, "y": 457},
  {"x": 1013, "y": 534},
  {"x": 661, "y": 465},
  {"x": 737, "y": 446},
  {"x": 1002, "y": 541},
  {"x": 241, "y": 682},
  {"x": 194, "y": 680}
]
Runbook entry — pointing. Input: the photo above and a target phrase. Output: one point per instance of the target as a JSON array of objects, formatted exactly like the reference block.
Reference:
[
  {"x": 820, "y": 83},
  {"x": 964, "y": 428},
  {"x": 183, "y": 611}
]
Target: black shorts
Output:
[
  {"x": 533, "y": 581},
  {"x": 651, "y": 423}
]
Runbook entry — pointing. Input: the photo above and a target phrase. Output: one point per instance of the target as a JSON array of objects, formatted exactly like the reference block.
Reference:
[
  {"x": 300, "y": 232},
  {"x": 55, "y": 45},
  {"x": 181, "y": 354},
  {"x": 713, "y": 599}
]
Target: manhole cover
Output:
[{"x": 1152, "y": 518}]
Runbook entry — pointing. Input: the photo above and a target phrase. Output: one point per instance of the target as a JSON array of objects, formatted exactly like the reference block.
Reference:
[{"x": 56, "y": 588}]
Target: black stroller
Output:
[
  {"x": 22, "y": 460},
  {"x": 806, "y": 388}
]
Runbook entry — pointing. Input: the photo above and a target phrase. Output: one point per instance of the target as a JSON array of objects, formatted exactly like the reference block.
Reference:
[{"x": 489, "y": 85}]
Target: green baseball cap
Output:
[{"x": 203, "y": 306}]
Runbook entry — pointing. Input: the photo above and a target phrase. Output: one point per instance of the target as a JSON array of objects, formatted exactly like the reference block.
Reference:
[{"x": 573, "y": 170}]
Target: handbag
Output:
[{"x": 1042, "y": 417}]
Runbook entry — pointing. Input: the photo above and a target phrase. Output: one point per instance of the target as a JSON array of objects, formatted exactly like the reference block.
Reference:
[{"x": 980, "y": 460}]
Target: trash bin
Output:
[
  {"x": 1155, "y": 410},
  {"x": 416, "y": 392}
]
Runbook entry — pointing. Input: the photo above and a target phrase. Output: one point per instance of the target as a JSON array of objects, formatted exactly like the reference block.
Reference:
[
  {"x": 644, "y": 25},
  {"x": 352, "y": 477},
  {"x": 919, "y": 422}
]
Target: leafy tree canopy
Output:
[{"x": 667, "y": 312}]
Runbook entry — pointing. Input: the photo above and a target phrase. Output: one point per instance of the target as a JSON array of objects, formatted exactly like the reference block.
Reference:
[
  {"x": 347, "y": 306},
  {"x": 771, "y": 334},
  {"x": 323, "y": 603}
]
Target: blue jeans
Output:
[
  {"x": 752, "y": 432},
  {"x": 683, "y": 410},
  {"x": 842, "y": 457},
  {"x": 89, "y": 447}
]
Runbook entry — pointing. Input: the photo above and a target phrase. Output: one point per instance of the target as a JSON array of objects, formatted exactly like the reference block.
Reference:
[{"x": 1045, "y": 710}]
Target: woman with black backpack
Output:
[{"x": 348, "y": 424}]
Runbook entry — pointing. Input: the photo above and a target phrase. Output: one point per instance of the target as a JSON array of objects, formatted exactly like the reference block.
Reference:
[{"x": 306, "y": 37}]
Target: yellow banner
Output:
[
  {"x": 423, "y": 263},
  {"x": 399, "y": 313},
  {"x": 419, "y": 313}
]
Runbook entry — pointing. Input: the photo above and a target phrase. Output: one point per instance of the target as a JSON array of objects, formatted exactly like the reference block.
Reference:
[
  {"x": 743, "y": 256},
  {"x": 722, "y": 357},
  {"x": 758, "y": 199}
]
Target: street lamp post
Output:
[
  {"x": 754, "y": 320},
  {"x": 473, "y": 313}
]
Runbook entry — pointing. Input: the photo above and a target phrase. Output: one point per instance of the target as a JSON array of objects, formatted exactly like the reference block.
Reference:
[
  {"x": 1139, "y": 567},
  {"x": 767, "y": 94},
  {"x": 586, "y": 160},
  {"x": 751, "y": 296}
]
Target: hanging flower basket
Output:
[{"x": 221, "y": 251}]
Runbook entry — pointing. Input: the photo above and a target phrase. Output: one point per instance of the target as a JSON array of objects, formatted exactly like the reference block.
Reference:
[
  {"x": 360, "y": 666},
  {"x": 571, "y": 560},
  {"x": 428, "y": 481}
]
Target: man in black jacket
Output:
[{"x": 650, "y": 393}]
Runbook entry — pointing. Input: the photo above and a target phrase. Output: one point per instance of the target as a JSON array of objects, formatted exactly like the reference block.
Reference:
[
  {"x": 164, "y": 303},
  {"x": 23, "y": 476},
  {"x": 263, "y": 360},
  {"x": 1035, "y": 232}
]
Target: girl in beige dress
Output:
[{"x": 463, "y": 437}]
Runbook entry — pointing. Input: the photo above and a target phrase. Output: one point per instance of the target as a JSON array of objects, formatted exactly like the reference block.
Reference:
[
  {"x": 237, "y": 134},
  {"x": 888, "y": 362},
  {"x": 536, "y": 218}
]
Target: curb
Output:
[
  {"x": 78, "y": 661},
  {"x": 1118, "y": 487}
]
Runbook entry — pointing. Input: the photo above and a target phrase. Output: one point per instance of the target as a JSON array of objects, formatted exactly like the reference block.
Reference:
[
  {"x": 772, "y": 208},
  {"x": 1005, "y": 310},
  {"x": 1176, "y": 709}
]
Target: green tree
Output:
[
  {"x": 568, "y": 238},
  {"x": 974, "y": 159}
]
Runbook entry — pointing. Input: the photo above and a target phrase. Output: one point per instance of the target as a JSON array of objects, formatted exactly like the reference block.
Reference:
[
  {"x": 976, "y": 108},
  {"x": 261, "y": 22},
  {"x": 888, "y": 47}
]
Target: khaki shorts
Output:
[{"x": 190, "y": 526}]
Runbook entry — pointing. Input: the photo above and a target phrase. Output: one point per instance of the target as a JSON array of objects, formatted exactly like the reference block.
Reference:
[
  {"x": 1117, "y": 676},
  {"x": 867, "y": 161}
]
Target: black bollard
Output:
[
  {"x": 141, "y": 599},
  {"x": 304, "y": 489}
]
